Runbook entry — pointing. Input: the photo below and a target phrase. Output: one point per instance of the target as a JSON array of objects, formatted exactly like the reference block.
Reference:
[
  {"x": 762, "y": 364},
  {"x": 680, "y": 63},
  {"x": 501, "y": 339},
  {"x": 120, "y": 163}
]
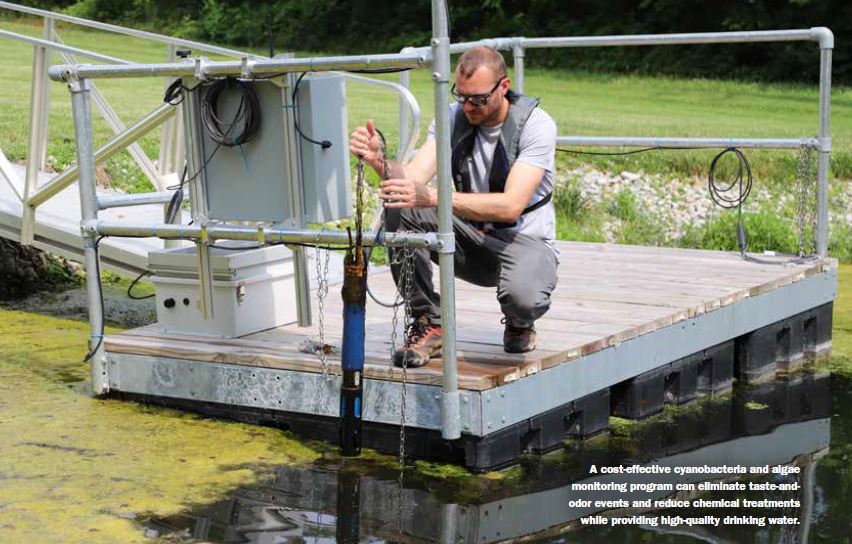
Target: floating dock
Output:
[
  {"x": 793, "y": 428},
  {"x": 630, "y": 328}
]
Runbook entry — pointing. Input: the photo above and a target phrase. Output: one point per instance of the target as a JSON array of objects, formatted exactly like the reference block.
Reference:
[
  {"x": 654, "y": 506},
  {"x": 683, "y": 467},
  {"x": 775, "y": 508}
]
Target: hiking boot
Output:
[
  {"x": 518, "y": 339},
  {"x": 422, "y": 342}
]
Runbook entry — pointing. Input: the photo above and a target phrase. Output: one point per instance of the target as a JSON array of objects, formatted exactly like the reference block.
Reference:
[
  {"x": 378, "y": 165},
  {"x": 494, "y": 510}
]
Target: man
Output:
[{"x": 503, "y": 149}]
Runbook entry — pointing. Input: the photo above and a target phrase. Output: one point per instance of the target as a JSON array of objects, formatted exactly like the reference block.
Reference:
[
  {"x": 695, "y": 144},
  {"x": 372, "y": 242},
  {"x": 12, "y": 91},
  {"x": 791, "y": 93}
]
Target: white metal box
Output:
[{"x": 253, "y": 290}]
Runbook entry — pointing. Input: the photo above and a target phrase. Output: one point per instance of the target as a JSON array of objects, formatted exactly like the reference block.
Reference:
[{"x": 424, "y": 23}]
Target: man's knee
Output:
[{"x": 524, "y": 303}]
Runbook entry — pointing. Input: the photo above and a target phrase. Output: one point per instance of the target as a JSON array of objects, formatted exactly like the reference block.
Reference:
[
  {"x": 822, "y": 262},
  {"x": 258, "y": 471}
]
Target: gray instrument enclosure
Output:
[{"x": 252, "y": 182}]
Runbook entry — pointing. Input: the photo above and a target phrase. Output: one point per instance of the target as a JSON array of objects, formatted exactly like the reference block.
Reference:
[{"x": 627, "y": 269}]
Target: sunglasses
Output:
[{"x": 475, "y": 99}]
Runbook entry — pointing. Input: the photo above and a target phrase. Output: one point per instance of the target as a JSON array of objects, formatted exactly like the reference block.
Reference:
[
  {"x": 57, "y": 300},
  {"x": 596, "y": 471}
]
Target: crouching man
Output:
[{"x": 503, "y": 154}]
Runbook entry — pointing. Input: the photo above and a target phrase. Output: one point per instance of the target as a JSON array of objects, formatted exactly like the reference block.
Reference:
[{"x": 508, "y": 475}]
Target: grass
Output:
[{"x": 582, "y": 104}]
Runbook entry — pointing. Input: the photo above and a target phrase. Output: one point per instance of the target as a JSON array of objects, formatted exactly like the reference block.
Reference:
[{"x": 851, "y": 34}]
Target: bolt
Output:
[
  {"x": 436, "y": 42},
  {"x": 503, "y": 420},
  {"x": 502, "y": 393},
  {"x": 436, "y": 76}
]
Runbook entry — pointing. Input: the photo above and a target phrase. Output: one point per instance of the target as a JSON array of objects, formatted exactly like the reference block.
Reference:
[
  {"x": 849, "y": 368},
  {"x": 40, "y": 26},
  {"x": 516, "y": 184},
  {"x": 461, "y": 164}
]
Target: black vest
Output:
[{"x": 505, "y": 152}]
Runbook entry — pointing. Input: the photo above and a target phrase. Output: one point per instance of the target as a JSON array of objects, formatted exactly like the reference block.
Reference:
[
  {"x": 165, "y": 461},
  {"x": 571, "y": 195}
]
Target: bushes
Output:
[
  {"x": 765, "y": 231},
  {"x": 384, "y": 25}
]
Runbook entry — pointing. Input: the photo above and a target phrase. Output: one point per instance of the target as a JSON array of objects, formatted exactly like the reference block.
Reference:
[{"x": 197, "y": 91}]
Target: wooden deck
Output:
[{"x": 606, "y": 294}]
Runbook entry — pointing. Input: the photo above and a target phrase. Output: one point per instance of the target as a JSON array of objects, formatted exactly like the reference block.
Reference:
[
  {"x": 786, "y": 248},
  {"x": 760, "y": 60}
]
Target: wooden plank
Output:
[{"x": 607, "y": 294}]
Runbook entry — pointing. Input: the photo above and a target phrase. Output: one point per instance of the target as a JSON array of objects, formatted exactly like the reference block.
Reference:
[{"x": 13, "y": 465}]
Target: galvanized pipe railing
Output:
[
  {"x": 441, "y": 74},
  {"x": 822, "y": 35},
  {"x": 690, "y": 143},
  {"x": 247, "y": 68},
  {"x": 47, "y": 44},
  {"x": 136, "y": 199},
  {"x": 261, "y": 234},
  {"x": 123, "y": 30},
  {"x": 116, "y": 145}
]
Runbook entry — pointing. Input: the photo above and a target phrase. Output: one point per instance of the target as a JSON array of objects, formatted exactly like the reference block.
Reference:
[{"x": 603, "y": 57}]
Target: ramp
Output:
[{"x": 57, "y": 228}]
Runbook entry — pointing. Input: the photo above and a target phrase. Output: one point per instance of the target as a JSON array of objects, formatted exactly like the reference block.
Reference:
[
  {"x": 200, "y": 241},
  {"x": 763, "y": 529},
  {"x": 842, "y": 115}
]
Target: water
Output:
[
  {"x": 78, "y": 469},
  {"x": 804, "y": 422}
]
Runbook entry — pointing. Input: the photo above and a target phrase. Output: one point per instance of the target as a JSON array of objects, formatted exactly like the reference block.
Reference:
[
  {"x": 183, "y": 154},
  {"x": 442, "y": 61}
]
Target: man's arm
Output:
[
  {"x": 505, "y": 207},
  {"x": 364, "y": 142}
]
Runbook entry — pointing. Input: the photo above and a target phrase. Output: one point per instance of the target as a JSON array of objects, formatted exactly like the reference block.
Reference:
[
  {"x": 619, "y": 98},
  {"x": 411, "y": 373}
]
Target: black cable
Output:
[
  {"x": 103, "y": 312},
  {"x": 134, "y": 282},
  {"x": 380, "y": 71},
  {"x": 325, "y": 144},
  {"x": 269, "y": 33},
  {"x": 300, "y": 244},
  {"x": 248, "y": 112},
  {"x": 616, "y": 154},
  {"x": 720, "y": 193},
  {"x": 175, "y": 202},
  {"x": 724, "y": 197},
  {"x": 379, "y": 231}
]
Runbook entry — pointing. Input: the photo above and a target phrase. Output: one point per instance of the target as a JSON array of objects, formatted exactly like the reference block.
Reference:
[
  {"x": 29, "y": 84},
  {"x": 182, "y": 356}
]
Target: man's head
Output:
[{"x": 482, "y": 83}]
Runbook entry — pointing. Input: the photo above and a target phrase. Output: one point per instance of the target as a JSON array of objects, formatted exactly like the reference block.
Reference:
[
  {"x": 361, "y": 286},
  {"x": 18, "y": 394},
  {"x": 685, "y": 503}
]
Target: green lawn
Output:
[{"x": 583, "y": 104}]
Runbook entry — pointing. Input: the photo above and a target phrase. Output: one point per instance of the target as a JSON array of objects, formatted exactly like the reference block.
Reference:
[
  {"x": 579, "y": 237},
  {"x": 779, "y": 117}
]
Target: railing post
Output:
[
  {"x": 49, "y": 29},
  {"x": 82, "y": 113},
  {"x": 450, "y": 415},
  {"x": 405, "y": 81},
  {"x": 518, "y": 56},
  {"x": 824, "y": 150},
  {"x": 34, "y": 149},
  {"x": 167, "y": 134}
]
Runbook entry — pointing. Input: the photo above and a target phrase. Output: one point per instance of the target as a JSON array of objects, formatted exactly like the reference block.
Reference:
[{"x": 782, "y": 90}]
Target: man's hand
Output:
[
  {"x": 406, "y": 193},
  {"x": 364, "y": 142}
]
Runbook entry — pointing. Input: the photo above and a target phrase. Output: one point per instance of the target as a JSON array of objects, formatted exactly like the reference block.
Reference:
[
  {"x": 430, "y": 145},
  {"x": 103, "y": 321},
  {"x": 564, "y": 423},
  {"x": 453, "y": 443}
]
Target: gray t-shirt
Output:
[{"x": 537, "y": 147}]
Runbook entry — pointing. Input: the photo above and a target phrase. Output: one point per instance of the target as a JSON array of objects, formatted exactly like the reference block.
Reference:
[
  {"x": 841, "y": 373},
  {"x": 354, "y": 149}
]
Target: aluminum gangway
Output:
[{"x": 42, "y": 208}]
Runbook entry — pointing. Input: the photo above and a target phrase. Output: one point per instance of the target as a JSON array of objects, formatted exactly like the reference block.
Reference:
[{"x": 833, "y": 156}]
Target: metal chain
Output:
[
  {"x": 407, "y": 282},
  {"x": 806, "y": 201},
  {"x": 406, "y": 288},
  {"x": 321, "y": 259}
]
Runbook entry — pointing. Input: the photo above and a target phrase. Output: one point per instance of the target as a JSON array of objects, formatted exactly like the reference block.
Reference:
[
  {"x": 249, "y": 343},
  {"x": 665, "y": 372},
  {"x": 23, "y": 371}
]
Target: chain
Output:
[
  {"x": 321, "y": 258},
  {"x": 805, "y": 201},
  {"x": 406, "y": 290}
]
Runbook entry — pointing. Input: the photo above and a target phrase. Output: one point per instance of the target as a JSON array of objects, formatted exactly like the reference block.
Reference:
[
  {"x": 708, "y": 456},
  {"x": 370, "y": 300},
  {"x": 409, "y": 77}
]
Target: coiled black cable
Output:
[
  {"x": 248, "y": 113},
  {"x": 724, "y": 195}
]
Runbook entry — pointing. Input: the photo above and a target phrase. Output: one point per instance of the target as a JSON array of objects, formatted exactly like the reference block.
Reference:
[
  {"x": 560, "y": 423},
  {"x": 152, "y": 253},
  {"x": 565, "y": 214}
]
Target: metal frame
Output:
[
  {"x": 481, "y": 413},
  {"x": 438, "y": 57},
  {"x": 171, "y": 155},
  {"x": 822, "y": 143}
]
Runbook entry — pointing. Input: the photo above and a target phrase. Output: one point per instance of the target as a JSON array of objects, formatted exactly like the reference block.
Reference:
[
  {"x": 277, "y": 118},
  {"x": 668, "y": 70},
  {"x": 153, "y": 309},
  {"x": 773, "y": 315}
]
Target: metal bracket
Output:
[
  {"x": 200, "y": 68},
  {"x": 77, "y": 85},
  {"x": 246, "y": 68},
  {"x": 446, "y": 242},
  {"x": 89, "y": 227},
  {"x": 824, "y": 145}
]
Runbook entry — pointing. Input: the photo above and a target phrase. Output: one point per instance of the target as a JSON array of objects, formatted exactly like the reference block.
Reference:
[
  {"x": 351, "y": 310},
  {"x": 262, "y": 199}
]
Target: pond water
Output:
[
  {"x": 802, "y": 424},
  {"x": 78, "y": 469}
]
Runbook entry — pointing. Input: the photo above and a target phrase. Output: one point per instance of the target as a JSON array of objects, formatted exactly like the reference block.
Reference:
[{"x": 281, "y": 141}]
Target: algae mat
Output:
[{"x": 78, "y": 469}]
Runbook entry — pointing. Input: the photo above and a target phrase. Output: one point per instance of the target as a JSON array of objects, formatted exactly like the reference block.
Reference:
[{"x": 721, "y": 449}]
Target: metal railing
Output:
[
  {"x": 821, "y": 142},
  {"x": 83, "y": 94},
  {"x": 437, "y": 57},
  {"x": 164, "y": 171}
]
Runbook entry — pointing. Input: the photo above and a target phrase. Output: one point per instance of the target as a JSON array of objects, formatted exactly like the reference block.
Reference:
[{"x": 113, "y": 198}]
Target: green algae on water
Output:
[{"x": 75, "y": 468}]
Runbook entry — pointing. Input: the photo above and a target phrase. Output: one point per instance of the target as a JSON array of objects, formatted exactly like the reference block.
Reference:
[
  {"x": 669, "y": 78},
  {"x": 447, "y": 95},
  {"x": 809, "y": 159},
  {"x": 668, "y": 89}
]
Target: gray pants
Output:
[{"x": 521, "y": 267}]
